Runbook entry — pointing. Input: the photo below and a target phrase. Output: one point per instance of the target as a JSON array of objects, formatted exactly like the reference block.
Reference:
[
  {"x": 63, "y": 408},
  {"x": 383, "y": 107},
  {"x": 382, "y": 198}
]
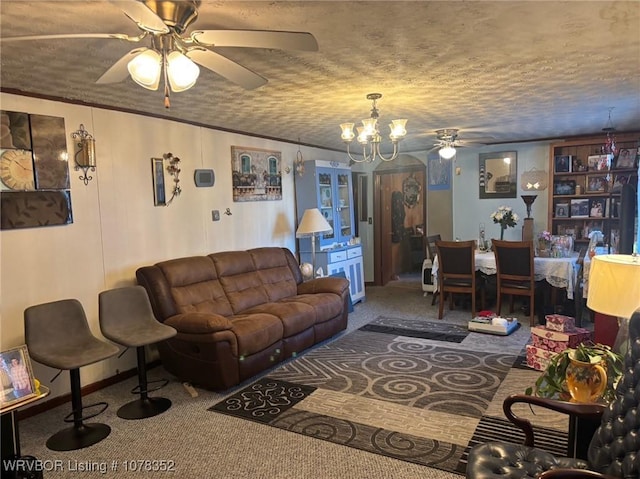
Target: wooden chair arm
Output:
[{"x": 583, "y": 411}]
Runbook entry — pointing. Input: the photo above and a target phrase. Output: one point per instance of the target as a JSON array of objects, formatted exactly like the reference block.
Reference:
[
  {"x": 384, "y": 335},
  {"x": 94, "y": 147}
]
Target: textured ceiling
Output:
[{"x": 508, "y": 70}]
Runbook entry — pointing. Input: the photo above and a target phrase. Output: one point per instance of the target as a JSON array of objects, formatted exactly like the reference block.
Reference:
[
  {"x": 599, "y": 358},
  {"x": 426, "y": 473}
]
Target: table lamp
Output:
[
  {"x": 614, "y": 289},
  {"x": 311, "y": 225}
]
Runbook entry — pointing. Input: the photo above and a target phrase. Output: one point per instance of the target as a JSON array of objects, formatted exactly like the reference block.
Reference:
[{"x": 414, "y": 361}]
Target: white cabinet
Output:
[
  {"x": 347, "y": 260},
  {"x": 326, "y": 185}
]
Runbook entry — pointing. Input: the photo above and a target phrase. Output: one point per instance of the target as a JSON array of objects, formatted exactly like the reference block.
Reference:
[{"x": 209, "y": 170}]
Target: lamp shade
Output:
[
  {"x": 145, "y": 69},
  {"x": 182, "y": 71},
  {"x": 312, "y": 223},
  {"x": 614, "y": 285}
]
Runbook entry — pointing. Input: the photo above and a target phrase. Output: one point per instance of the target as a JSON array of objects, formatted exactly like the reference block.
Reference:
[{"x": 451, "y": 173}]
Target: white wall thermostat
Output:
[{"x": 204, "y": 178}]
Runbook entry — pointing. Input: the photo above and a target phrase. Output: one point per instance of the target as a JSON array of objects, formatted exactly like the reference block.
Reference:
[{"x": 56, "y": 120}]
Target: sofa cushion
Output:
[
  {"x": 295, "y": 316},
  {"x": 326, "y": 305},
  {"x": 195, "y": 287},
  {"x": 239, "y": 279},
  {"x": 275, "y": 273},
  {"x": 255, "y": 332}
]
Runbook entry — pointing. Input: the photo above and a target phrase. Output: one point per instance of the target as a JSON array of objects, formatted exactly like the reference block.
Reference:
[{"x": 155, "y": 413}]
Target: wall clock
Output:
[{"x": 16, "y": 170}]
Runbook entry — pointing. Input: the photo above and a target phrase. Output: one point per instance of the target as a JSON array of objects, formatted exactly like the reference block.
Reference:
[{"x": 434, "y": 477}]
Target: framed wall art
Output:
[
  {"x": 256, "y": 174},
  {"x": 497, "y": 175},
  {"x": 159, "y": 188},
  {"x": 439, "y": 174}
]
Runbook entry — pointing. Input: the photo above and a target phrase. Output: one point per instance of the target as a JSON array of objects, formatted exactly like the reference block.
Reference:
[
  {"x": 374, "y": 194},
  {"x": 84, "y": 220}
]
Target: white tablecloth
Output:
[{"x": 558, "y": 272}]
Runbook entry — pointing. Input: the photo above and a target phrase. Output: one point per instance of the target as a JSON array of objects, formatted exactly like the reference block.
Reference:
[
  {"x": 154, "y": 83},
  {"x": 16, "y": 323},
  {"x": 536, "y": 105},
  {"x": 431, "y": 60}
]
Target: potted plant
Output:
[{"x": 552, "y": 383}]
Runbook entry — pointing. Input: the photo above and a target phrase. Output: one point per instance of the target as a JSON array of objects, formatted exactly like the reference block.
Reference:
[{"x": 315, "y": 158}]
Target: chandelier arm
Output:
[
  {"x": 365, "y": 157},
  {"x": 393, "y": 156}
]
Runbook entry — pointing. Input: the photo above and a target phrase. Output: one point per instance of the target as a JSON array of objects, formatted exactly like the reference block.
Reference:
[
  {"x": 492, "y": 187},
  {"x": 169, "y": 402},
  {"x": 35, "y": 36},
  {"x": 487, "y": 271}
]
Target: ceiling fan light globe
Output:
[
  {"x": 145, "y": 69},
  {"x": 447, "y": 152},
  {"x": 182, "y": 71}
]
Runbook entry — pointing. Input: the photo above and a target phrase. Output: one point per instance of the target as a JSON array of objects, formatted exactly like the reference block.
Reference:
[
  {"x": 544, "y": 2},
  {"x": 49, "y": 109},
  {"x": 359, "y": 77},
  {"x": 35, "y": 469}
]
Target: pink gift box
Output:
[
  {"x": 538, "y": 358},
  {"x": 558, "y": 322},
  {"x": 557, "y": 341}
]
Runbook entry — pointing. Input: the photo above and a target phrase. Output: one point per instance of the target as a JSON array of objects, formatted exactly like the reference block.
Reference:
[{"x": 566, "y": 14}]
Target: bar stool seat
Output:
[
  {"x": 126, "y": 318},
  {"x": 58, "y": 335}
]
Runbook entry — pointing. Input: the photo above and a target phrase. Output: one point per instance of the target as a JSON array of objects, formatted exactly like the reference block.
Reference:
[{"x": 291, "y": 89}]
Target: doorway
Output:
[{"x": 399, "y": 211}]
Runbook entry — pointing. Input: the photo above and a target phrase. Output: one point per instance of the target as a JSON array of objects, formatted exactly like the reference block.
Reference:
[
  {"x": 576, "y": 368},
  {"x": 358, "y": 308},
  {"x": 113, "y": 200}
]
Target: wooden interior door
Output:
[{"x": 389, "y": 256}]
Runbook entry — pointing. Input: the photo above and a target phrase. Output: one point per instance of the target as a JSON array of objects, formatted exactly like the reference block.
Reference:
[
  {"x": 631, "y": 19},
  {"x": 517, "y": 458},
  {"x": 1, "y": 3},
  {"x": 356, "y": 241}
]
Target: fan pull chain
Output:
[{"x": 167, "y": 103}]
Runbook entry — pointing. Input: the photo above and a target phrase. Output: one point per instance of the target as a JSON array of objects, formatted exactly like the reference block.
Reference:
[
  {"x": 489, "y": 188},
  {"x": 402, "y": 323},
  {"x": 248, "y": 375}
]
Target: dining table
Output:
[{"x": 558, "y": 272}]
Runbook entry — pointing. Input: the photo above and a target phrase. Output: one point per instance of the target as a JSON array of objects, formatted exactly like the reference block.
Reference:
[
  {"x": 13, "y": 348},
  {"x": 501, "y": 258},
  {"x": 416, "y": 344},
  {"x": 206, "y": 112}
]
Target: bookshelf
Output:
[{"x": 584, "y": 189}]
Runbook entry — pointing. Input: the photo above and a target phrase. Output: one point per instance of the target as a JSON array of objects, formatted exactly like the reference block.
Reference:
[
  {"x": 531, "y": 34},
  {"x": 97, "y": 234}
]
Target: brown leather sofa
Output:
[{"x": 238, "y": 313}]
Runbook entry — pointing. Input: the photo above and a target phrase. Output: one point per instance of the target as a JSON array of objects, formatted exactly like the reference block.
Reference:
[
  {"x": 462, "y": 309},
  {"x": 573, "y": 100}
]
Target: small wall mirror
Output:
[{"x": 498, "y": 174}]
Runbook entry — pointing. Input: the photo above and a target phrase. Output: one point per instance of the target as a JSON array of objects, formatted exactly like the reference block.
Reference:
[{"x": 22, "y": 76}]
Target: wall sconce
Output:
[{"x": 85, "y": 157}]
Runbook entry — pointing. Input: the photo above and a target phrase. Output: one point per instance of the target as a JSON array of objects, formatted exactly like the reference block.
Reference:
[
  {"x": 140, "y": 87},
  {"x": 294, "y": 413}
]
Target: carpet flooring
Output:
[{"x": 392, "y": 389}]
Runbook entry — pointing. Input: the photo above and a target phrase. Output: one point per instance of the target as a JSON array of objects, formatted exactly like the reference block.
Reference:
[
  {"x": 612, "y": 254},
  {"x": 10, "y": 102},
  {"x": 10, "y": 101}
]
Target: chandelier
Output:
[
  {"x": 369, "y": 136},
  {"x": 164, "y": 61}
]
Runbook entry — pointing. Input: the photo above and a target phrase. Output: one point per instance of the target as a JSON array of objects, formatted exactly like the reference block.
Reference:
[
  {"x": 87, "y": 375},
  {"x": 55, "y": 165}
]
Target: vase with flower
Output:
[
  {"x": 505, "y": 217},
  {"x": 544, "y": 244}
]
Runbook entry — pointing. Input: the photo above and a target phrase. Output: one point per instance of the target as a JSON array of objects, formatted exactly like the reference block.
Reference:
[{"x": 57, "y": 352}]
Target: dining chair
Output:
[
  {"x": 457, "y": 272},
  {"x": 431, "y": 250},
  {"x": 515, "y": 272}
]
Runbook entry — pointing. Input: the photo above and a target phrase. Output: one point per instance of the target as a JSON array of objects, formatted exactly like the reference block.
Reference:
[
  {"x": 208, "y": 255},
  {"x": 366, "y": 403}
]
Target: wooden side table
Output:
[{"x": 10, "y": 443}]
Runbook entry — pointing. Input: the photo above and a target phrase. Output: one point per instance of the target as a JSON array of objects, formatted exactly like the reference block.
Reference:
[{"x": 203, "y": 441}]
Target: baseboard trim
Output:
[{"x": 88, "y": 389}]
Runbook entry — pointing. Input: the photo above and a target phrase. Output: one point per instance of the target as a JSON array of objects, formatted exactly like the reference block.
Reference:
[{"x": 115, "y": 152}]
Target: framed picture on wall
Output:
[
  {"x": 159, "y": 189},
  {"x": 439, "y": 174}
]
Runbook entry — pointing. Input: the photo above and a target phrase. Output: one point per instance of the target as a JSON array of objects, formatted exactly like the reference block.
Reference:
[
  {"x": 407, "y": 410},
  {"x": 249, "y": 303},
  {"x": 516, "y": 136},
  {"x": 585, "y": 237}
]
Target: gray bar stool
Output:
[
  {"x": 126, "y": 318},
  {"x": 58, "y": 335}
]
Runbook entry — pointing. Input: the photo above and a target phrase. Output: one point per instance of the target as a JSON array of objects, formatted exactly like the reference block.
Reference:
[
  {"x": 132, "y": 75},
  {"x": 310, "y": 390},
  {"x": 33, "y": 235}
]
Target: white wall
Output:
[
  {"x": 116, "y": 227},
  {"x": 469, "y": 211}
]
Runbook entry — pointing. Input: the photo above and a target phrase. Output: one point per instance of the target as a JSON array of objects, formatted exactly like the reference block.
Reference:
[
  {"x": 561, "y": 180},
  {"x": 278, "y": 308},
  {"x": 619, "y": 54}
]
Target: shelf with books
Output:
[{"x": 585, "y": 185}]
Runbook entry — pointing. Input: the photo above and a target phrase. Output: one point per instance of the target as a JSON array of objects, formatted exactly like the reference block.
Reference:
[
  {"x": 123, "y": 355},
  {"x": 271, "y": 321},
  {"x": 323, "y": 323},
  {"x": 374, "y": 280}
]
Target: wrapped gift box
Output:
[
  {"x": 538, "y": 358},
  {"x": 558, "y": 322},
  {"x": 557, "y": 341}
]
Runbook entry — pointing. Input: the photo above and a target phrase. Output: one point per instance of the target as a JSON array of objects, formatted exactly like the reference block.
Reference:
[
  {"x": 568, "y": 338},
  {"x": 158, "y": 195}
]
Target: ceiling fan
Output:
[
  {"x": 447, "y": 140},
  {"x": 172, "y": 57}
]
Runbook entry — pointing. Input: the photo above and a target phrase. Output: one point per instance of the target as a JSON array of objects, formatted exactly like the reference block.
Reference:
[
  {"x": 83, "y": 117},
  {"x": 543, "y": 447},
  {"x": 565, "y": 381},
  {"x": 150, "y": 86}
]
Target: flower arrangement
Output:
[
  {"x": 505, "y": 217},
  {"x": 544, "y": 243}
]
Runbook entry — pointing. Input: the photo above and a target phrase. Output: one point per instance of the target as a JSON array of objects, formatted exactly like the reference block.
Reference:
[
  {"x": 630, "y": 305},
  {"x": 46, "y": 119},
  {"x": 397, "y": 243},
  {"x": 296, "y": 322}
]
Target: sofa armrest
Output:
[
  {"x": 198, "y": 323},
  {"x": 330, "y": 284},
  {"x": 584, "y": 411}
]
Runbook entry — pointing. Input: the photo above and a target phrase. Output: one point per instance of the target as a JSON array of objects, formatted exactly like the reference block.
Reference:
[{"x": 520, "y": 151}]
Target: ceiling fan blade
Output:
[
  {"x": 118, "y": 71},
  {"x": 120, "y": 36},
  {"x": 257, "y": 39},
  {"x": 227, "y": 68},
  {"x": 144, "y": 17}
]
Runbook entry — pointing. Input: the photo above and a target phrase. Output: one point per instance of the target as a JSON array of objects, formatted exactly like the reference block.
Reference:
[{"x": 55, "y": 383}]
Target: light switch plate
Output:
[{"x": 215, "y": 215}]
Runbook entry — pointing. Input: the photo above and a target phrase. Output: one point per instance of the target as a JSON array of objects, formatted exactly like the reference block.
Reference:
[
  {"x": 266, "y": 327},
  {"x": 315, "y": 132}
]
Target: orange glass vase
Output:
[{"x": 585, "y": 381}]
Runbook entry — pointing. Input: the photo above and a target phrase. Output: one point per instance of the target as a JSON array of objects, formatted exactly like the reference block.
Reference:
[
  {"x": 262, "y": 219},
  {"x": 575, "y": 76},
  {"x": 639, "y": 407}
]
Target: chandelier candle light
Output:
[
  {"x": 505, "y": 217},
  {"x": 369, "y": 136}
]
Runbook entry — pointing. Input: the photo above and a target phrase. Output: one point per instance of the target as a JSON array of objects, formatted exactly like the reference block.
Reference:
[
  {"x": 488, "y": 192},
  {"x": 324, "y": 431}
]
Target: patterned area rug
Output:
[
  {"x": 439, "y": 331},
  {"x": 419, "y": 400}
]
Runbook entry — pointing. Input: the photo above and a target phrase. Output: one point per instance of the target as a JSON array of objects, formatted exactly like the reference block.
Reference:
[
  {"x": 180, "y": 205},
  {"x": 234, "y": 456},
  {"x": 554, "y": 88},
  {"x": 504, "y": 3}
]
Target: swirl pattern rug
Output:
[{"x": 419, "y": 400}]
